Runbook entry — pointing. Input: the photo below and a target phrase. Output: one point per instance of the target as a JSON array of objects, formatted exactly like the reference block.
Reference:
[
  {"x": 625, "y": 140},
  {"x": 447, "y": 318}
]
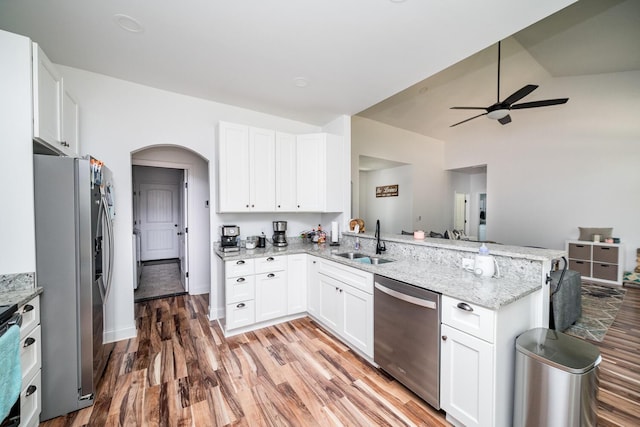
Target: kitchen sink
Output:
[{"x": 363, "y": 258}]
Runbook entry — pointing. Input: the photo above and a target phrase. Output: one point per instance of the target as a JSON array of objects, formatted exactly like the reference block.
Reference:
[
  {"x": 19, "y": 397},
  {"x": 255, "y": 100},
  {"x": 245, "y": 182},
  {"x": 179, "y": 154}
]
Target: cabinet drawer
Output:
[
  {"x": 30, "y": 316},
  {"x": 240, "y": 289},
  {"x": 30, "y": 361},
  {"x": 608, "y": 254},
  {"x": 470, "y": 318},
  {"x": 605, "y": 271},
  {"x": 240, "y": 314},
  {"x": 30, "y": 402},
  {"x": 582, "y": 267},
  {"x": 241, "y": 267},
  {"x": 579, "y": 251},
  {"x": 357, "y": 278},
  {"x": 270, "y": 264}
]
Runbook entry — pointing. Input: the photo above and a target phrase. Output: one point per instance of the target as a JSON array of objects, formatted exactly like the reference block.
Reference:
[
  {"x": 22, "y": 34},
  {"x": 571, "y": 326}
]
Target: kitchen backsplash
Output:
[{"x": 16, "y": 282}]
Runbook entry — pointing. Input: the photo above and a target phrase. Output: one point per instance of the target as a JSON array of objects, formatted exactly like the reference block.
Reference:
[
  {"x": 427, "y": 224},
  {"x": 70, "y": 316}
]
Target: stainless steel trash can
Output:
[{"x": 556, "y": 380}]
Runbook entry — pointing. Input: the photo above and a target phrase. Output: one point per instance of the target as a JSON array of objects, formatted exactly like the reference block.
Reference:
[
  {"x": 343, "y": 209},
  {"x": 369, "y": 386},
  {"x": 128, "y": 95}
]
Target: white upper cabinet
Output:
[
  {"x": 260, "y": 170},
  {"x": 286, "y": 195},
  {"x": 49, "y": 100},
  {"x": 246, "y": 169},
  {"x": 70, "y": 123}
]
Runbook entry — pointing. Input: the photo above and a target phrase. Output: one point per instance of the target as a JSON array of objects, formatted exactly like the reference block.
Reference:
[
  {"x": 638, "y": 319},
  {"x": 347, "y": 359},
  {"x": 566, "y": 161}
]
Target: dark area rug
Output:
[
  {"x": 159, "y": 279},
  {"x": 600, "y": 305}
]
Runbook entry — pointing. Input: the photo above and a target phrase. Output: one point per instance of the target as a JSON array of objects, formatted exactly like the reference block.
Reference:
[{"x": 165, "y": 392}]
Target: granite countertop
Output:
[
  {"x": 19, "y": 297},
  {"x": 491, "y": 293}
]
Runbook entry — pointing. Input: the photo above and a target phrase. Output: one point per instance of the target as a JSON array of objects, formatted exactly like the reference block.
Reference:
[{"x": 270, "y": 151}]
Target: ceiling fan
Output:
[{"x": 500, "y": 110}]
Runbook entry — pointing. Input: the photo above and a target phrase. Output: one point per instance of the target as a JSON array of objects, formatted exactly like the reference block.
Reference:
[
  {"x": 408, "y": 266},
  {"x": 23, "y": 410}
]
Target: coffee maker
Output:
[
  {"x": 229, "y": 235},
  {"x": 280, "y": 233}
]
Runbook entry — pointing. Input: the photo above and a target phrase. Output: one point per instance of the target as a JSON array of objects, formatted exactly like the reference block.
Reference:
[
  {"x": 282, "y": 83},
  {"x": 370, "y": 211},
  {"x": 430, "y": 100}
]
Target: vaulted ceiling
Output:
[{"x": 305, "y": 60}]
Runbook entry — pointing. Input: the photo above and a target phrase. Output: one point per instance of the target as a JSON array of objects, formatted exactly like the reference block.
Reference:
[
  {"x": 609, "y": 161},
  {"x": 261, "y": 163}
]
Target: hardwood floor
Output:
[{"x": 181, "y": 371}]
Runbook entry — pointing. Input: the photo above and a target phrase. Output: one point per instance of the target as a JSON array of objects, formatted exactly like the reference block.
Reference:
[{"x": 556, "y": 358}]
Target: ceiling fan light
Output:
[{"x": 498, "y": 114}]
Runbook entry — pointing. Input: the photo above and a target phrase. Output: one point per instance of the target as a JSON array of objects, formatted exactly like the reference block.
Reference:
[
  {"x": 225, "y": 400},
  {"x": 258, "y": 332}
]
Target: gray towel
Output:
[
  {"x": 10, "y": 372},
  {"x": 567, "y": 302}
]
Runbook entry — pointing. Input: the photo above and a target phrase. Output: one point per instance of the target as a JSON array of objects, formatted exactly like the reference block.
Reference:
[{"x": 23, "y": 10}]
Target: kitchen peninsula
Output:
[{"x": 481, "y": 317}]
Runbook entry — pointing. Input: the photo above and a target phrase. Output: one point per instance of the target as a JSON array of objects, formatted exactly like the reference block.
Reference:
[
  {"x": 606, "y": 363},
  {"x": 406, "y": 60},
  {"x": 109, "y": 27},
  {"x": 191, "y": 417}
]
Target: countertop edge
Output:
[{"x": 20, "y": 297}]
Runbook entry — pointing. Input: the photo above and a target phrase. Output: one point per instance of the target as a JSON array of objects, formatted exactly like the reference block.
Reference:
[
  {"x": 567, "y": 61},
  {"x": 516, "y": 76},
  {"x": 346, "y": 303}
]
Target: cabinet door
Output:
[
  {"x": 297, "y": 284},
  {"x": 358, "y": 319},
  {"x": 313, "y": 286},
  {"x": 310, "y": 173},
  {"x": 466, "y": 377},
  {"x": 70, "y": 117},
  {"x": 233, "y": 168},
  {"x": 262, "y": 170},
  {"x": 271, "y": 295},
  {"x": 330, "y": 308},
  {"x": 47, "y": 91},
  {"x": 286, "y": 181}
]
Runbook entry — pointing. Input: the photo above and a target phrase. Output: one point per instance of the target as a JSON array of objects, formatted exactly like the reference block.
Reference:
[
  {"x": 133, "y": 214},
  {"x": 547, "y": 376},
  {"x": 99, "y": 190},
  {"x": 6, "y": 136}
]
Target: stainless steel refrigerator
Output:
[{"x": 74, "y": 253}]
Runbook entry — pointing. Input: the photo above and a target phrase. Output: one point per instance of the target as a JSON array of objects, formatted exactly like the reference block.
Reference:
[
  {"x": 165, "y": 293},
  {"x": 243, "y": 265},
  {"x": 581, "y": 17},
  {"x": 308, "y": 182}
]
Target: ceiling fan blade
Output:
[
  {"x": 471, "y": 118},
  {"x": 468, "y": 108},
  {"x": 543, "y": 103},
  {"x": 519, "y": 94},
  {"x": 506, "y": 119}
]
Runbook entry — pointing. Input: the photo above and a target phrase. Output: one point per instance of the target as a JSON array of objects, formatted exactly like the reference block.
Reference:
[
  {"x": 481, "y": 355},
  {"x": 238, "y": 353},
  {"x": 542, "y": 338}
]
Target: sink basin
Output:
[
  {"x": 365, "y": 259},
  {"x": 352, "y": 255}
]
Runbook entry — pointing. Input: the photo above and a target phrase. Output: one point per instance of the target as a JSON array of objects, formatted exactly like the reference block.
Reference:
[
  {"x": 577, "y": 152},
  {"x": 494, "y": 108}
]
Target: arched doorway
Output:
[{"x": 170, "y": 222}]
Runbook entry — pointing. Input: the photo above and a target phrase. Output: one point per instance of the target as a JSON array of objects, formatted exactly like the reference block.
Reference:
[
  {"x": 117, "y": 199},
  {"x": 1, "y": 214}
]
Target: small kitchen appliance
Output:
[
  {"x": 229, "y": 235},
  {"x": 484, "y": 264},
  {"x": 280, "y": 233}
]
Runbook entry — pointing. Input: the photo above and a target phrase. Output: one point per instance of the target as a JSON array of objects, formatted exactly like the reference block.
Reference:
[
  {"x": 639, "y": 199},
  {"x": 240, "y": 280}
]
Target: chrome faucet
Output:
[{"x": 380, "y": 246}]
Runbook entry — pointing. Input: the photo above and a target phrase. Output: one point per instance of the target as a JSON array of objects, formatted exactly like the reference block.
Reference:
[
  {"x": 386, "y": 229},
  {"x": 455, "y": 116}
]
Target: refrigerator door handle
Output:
[
  {"x": 109, "y": 228},
  {"x": 101, "y": 286}
]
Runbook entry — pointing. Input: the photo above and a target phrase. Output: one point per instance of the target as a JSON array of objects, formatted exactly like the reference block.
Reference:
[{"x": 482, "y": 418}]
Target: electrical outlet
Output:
[{"x": 467, "y": 263}]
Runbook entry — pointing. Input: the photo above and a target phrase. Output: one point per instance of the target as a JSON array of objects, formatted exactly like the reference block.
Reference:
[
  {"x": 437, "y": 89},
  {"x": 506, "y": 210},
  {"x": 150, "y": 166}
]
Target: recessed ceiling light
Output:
[
  {"x": 128, "y": 23},
  {"x": 301, "y": 82}
]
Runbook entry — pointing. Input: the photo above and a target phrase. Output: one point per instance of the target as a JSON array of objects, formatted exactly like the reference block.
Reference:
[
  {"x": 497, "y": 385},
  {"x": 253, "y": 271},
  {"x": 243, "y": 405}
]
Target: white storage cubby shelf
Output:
[{"x": 597, "y": 261}]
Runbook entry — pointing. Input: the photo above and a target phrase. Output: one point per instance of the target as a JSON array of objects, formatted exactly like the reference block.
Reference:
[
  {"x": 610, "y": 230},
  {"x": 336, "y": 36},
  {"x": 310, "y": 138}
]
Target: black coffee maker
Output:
[
  {"x": 279, "y": 233},
  {"x": 229, "y": 235}
]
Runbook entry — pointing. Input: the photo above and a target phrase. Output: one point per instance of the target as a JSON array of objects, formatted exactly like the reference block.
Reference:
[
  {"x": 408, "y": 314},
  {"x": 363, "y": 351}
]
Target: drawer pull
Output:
[
  {"x": 444, "y": 338},
  {"x": 30, "y": 390},
  {"x": 29, "y": 341},
  {"x": 27, "y": 308},
  {"x": 239, "y": 262},
  {"x": 271, "y": 275},
  {"x": 604, "y": 248},
  {"x": 240, "y": 279},
  {"x": 464, "y": 306},
  {"x": 270, "y": 259},
  {"x": 241, "y": 305},
  {"x": 579, "y": 262}
]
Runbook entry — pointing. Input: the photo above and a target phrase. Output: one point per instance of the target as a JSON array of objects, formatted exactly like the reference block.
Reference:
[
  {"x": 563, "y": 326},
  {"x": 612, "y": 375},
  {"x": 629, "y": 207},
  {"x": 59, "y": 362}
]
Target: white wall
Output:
[
  {"x": 17, "y": 247},
  {"x": 553, "y": 170},
  {"x": 118, "y": 118},
  {"x": 430, "y": 191},
  {"x": 198, "y": 213},
  {"x": 394, "y": 213}
]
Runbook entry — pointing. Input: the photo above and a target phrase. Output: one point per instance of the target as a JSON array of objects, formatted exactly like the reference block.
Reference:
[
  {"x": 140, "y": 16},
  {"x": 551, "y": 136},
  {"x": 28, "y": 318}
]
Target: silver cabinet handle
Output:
[
  {"x": 30, "y": 390},
  {"x": 270, "y": 259},
  {"x": 271, "y": 275},
  {"x": 444, "y": 338},
  {"x": 241, "y": 305},
  {"x": 27, "y": 308},
  {"x": 28, "y": 342},
  {"x": 240, "y": 279},
  {"x": 239, "y": 262},
  {"x": 464, "y": 306}
]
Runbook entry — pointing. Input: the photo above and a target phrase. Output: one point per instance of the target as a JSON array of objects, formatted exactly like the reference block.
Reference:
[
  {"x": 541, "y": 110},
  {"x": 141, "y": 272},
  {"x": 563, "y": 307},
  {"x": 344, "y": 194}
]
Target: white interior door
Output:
[
  {"x": 183, "y": 236},
  {"x": 461, "y": 212},
  {"x": 159, "y": 221}
]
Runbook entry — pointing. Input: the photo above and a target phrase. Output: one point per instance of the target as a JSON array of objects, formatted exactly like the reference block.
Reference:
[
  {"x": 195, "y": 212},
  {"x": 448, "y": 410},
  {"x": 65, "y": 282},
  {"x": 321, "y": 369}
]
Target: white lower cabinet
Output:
[
  {"x": 313, "y": 286},
  {"x": 466, "y": 366},
  {"x": 297, "y": 284},
  {"x": 345, "y": 303},
  {"x": 31, "y": 363},
  {"x": 477, "y": 360},
  {"x": 271, "y": 295}
]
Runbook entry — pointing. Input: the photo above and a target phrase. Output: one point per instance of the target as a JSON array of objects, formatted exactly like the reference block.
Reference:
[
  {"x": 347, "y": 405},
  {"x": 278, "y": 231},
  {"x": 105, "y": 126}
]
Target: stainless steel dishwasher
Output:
[{"x": 407, "y": 336}]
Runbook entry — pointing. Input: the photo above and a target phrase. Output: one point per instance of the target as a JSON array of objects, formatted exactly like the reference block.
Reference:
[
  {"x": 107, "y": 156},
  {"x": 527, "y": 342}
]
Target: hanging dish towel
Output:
[{"x": 10, "y": 374}]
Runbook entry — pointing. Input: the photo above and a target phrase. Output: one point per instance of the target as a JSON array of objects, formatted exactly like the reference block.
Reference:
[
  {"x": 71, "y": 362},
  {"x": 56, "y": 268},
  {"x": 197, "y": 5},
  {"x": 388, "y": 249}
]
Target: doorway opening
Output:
[{"x": 160, "y": 196}]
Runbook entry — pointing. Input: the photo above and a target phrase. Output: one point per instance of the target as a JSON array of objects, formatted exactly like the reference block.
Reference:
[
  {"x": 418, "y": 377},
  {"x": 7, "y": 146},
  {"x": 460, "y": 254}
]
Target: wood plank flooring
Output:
[{"x": 181, "y": 371}]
